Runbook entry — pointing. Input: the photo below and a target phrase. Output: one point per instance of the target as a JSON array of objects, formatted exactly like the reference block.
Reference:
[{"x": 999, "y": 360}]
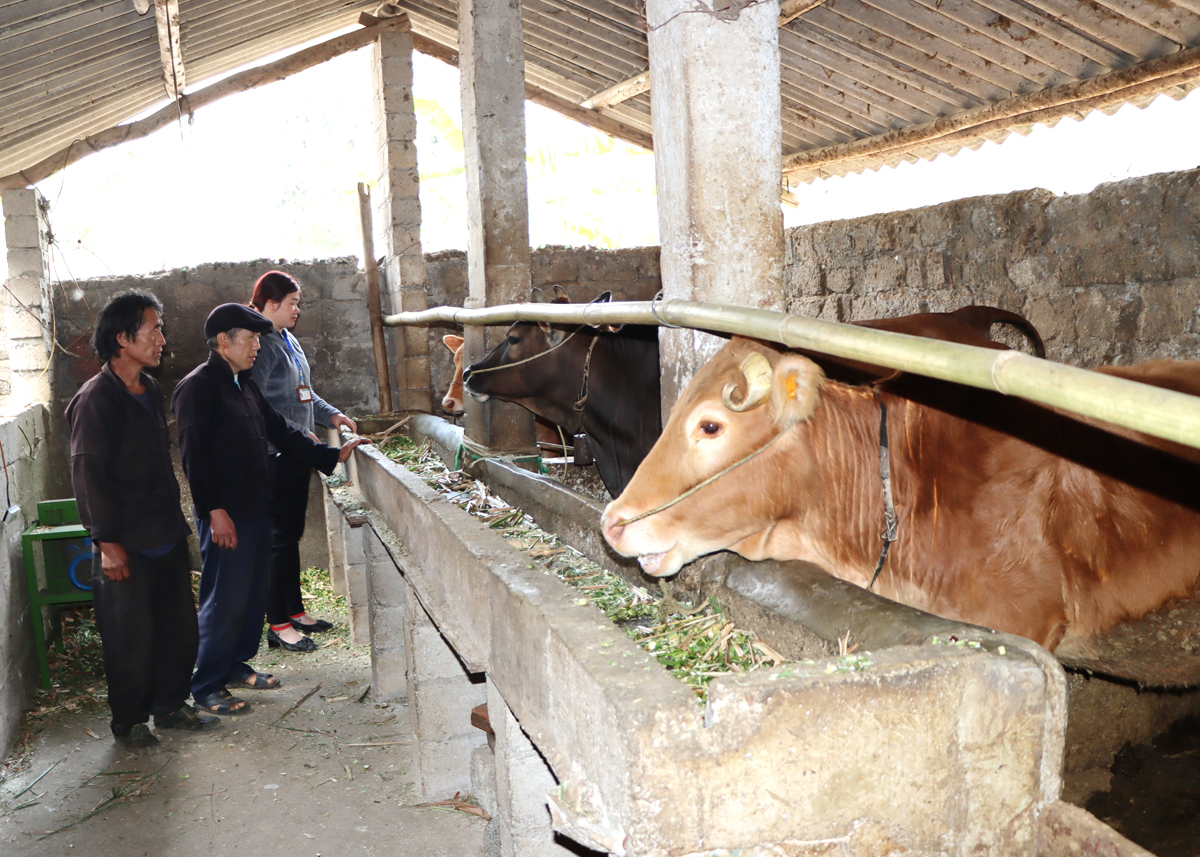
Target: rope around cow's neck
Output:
[
  {"x": 710, "y": 480},
  {"x": 531, "y": 358},
  {"x": 891, "y": 522}
]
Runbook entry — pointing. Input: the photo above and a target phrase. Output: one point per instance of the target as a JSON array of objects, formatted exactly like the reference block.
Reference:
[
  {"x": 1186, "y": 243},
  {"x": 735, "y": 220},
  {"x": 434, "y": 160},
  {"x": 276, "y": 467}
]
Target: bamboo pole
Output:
[
  {"x": 1129, "y": 404},
  {"x": 374, "y": 305},
  {"x": 232, "y": 85}
]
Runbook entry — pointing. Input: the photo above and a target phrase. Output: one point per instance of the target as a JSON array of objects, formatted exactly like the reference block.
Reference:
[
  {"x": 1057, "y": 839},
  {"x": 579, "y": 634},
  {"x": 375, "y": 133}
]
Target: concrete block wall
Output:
[
  {"x": 25, "y": 346},
  {"x": 441, "y": 695},
  {"x": 388, "y": 601},
  {"x": 26, "y": 475},
  {"x": 1111, "y": 276}
]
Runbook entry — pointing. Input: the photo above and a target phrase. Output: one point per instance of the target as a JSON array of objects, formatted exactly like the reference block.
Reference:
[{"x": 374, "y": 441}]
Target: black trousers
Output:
[
  {"x": 148, "y": 627},
  {"x": 289, "y": 507}
]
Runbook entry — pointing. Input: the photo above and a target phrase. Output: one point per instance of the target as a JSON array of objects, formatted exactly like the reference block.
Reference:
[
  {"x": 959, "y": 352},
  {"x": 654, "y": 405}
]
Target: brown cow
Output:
[{"x": 1011, "y": 515}]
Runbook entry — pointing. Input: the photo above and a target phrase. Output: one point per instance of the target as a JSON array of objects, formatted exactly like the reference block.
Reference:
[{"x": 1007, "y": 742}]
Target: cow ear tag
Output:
[{"x": 796, "y": 391}]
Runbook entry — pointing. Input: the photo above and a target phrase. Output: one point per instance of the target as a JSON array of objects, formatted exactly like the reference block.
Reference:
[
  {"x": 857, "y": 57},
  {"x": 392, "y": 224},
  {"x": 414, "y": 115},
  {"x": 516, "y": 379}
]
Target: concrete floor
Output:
[{"x": 304, "y": 786}]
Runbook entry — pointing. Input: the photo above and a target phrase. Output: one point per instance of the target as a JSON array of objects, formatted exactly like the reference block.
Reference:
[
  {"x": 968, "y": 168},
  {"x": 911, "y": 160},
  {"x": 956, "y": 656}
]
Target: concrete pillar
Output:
[
  {"x": 523, "y": 779},
  {"x": 335, "y": 526},
  {"x": 388, "y": 601},
  {"x": 717, "y": 143},
  {"x": 441, "y": 694},
  {"x": 397, "y": 218},
  {"x": 25, "y": 350},
  {"x": 358, "y": 592},
  {"x": 492, "y": 68}
]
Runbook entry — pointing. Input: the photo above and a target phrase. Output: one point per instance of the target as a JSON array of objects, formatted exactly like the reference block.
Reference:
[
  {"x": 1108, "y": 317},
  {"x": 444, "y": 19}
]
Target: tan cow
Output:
[{"x": 1011, "y": 515}]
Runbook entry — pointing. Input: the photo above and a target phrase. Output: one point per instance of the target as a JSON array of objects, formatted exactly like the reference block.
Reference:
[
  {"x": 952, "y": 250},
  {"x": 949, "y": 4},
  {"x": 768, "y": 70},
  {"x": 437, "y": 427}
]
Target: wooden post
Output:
[{"x": 373, "y": 304}]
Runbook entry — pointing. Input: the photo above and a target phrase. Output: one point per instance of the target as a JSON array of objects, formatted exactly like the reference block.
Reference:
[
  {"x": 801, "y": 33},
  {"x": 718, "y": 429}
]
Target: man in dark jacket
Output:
[
  {"x": 224, "y": 425},
  {"x": 129, "y": 501}
]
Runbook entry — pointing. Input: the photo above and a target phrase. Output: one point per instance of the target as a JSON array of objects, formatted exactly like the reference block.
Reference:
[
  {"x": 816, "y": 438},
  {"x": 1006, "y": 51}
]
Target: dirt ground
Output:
[{"x": 317, "y": 768}]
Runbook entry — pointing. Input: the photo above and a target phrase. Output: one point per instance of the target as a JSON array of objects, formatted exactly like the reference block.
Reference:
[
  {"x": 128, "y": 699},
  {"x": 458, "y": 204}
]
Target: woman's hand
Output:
[{"x": 343, "y": 421}]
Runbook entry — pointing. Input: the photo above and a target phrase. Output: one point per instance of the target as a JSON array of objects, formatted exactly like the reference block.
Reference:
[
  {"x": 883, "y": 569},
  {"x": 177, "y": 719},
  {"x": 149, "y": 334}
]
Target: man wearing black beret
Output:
[{"x": 224, "y": 425}]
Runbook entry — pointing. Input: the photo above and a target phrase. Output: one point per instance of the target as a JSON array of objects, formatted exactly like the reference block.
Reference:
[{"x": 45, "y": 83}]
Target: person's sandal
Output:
[
  {"x": 137, "y": 740},
  {"x": 318, "y": 627},
  {"x": 223, "y": 702},
  {"x": 262, "y": 681},
  {"x": 187, "y": 717}
]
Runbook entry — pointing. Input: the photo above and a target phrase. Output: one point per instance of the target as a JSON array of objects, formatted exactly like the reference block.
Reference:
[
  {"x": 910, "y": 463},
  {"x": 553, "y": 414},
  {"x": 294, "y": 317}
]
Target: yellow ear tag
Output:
[{"x": 790, "y": 384}]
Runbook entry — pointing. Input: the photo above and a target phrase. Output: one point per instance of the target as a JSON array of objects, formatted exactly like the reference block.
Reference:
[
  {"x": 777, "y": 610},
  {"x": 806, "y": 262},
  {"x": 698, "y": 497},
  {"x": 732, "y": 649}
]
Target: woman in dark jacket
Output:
[{"x": 282, "y": 373}]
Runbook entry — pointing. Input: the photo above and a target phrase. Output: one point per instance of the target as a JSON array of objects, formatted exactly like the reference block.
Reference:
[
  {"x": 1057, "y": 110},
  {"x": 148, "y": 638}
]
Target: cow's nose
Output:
[
  {"x": 611, "y": 527},
  {"x": 451, "y": 406}
]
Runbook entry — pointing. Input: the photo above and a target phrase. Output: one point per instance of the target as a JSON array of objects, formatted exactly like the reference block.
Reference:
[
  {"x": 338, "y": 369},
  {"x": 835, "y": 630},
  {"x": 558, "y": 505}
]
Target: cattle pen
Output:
[{"x": 951, "y": 741}]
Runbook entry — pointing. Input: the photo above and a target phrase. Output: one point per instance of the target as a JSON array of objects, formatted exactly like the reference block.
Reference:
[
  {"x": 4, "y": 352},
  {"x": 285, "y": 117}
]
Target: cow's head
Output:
[
  {"x": 452, "y": 402},
  {"x": 748, "y": 394},
  {"x": 530, "y": 368}
]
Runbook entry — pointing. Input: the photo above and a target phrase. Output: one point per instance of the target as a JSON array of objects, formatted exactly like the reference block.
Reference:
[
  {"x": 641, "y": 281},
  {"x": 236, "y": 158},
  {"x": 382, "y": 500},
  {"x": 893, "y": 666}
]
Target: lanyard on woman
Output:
[{"x": 303, "y": 392}]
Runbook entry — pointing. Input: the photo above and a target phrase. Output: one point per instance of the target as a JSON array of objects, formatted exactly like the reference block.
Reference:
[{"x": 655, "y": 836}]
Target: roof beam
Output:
[
  {"x": 1036, "y": 108},
  {"x": 232, "y": 85},
  {"x": 166, "y": 16},
  {"x": 789, "y": 10},
  {"x": 607, "y": 124}
]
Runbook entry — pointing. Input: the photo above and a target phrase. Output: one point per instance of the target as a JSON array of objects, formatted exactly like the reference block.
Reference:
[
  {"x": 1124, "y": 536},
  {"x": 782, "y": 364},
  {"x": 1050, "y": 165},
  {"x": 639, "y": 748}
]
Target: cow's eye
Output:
[
  {"x": 512, "y": 340},
  {"x": 710, "y": 428}
]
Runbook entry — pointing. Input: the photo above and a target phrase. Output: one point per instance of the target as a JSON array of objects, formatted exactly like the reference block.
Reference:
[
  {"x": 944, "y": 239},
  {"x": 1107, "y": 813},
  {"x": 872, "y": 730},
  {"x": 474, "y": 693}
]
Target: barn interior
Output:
[{"x": 934, "y": 749}]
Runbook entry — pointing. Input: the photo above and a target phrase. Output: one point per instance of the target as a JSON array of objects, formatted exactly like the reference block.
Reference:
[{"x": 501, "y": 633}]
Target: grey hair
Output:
[{"x": 231, "y": 333}]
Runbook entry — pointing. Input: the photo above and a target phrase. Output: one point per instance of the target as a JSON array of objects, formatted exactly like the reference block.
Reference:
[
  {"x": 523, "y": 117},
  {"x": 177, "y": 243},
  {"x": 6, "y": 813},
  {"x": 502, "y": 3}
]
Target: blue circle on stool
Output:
[{"x": 80, "y": 554}]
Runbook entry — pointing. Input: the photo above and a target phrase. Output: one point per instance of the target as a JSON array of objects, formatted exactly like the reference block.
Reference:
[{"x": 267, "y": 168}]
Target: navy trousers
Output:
[
  {"x": 233, "y": 598},
  {"x": 148, "y": 627}
]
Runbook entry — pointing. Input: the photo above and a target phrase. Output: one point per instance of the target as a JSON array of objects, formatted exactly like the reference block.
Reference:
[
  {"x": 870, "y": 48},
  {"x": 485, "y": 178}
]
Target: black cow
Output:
[{"x": 600, "y": 382}]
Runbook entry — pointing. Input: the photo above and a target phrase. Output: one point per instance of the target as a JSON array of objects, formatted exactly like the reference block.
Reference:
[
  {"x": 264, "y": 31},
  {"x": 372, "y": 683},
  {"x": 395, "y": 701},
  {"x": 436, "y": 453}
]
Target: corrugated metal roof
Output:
[{"x": 864, "y": 83}]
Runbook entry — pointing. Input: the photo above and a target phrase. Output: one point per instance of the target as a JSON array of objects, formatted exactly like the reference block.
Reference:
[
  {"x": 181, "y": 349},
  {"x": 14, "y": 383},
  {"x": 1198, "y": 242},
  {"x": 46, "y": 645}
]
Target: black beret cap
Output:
[{"x": 226, "y": 317}]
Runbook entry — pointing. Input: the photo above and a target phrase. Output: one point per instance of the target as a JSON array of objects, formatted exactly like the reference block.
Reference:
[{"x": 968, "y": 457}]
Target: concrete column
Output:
[
  {"x": 25, "y": 350},
  {"x": 335, "y": 529},
  {"x": 523, "y": 779},
  {"x": 388, "y": 601},
  {"x": 358, "y": 594},
  {"x": 492, "y": 67},
  {"x": 717, "y": 144},
  {"x": 397, "y": 218},
  {"x": 441, "y": 694}
]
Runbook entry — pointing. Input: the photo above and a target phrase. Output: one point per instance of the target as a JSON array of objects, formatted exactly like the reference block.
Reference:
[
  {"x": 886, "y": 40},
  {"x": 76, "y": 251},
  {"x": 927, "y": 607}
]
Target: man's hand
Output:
[
  {"x": 343, "y": 421},
  {"x": 224, "y": 533},
  {"x": 114, "y": 560},
  {"x": 348, "y": 447}
]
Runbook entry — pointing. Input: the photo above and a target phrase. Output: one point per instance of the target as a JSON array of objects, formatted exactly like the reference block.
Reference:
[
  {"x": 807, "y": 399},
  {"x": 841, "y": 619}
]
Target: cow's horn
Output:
[{"x": 757, "y": 372}]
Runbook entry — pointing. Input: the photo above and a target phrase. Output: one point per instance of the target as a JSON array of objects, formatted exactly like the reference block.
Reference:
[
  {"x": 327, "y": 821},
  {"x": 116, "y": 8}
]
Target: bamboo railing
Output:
[{"x": 1130, "y": 404}]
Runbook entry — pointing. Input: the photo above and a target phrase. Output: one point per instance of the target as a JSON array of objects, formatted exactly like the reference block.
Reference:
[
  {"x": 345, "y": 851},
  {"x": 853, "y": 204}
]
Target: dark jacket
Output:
[
  {"x": 121, "y": 468},
  {"x": 223, "y": 435}
]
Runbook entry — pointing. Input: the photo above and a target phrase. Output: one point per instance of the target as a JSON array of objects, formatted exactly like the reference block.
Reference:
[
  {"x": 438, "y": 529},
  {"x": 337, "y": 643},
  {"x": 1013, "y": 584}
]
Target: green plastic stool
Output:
[{"x": 62, "y": 579}]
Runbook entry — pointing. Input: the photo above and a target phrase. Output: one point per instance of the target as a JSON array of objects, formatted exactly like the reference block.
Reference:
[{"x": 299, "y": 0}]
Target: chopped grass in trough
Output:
[{"x": 695, "y": 645}]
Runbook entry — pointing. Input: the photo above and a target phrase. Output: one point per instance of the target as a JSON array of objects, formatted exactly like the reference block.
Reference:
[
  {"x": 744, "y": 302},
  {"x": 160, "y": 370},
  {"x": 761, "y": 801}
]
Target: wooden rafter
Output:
[
  {"x": 232, "y": 85},
  {"x": 166, "y": 16},
  {"x": 789, "y": 10},
  {"x": 607, "y": 124}
]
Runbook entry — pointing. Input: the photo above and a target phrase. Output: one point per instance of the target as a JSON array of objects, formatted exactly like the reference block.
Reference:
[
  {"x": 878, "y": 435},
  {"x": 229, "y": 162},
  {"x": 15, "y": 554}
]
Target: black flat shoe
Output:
[
  {"x": 274, "y": 641},
  {"x": 317, "y": 627}
]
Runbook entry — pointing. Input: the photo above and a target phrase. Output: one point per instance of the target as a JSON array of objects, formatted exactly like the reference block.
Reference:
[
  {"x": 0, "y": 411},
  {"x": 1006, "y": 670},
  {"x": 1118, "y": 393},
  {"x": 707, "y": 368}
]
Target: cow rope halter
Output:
[
  {"x": 891, "y": 523},
  {"x": 587, "y": 364}
]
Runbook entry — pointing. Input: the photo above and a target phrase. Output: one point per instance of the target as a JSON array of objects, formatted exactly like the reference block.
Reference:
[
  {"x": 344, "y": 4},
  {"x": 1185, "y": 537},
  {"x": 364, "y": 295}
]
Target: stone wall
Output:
[
  {"x": 1111, "y": 276},
  {"x": 26, "y": 473}
]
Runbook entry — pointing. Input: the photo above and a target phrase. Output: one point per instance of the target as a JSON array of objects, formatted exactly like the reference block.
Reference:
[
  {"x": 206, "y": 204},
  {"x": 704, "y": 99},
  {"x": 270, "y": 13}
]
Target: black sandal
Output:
[
  {"x": 223, "y": 702},
  {"x": 262, "y": 681}
]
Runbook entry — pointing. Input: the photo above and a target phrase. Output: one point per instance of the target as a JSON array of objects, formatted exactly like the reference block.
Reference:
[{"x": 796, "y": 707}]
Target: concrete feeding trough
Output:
[{"x": 929, "y": 749}]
